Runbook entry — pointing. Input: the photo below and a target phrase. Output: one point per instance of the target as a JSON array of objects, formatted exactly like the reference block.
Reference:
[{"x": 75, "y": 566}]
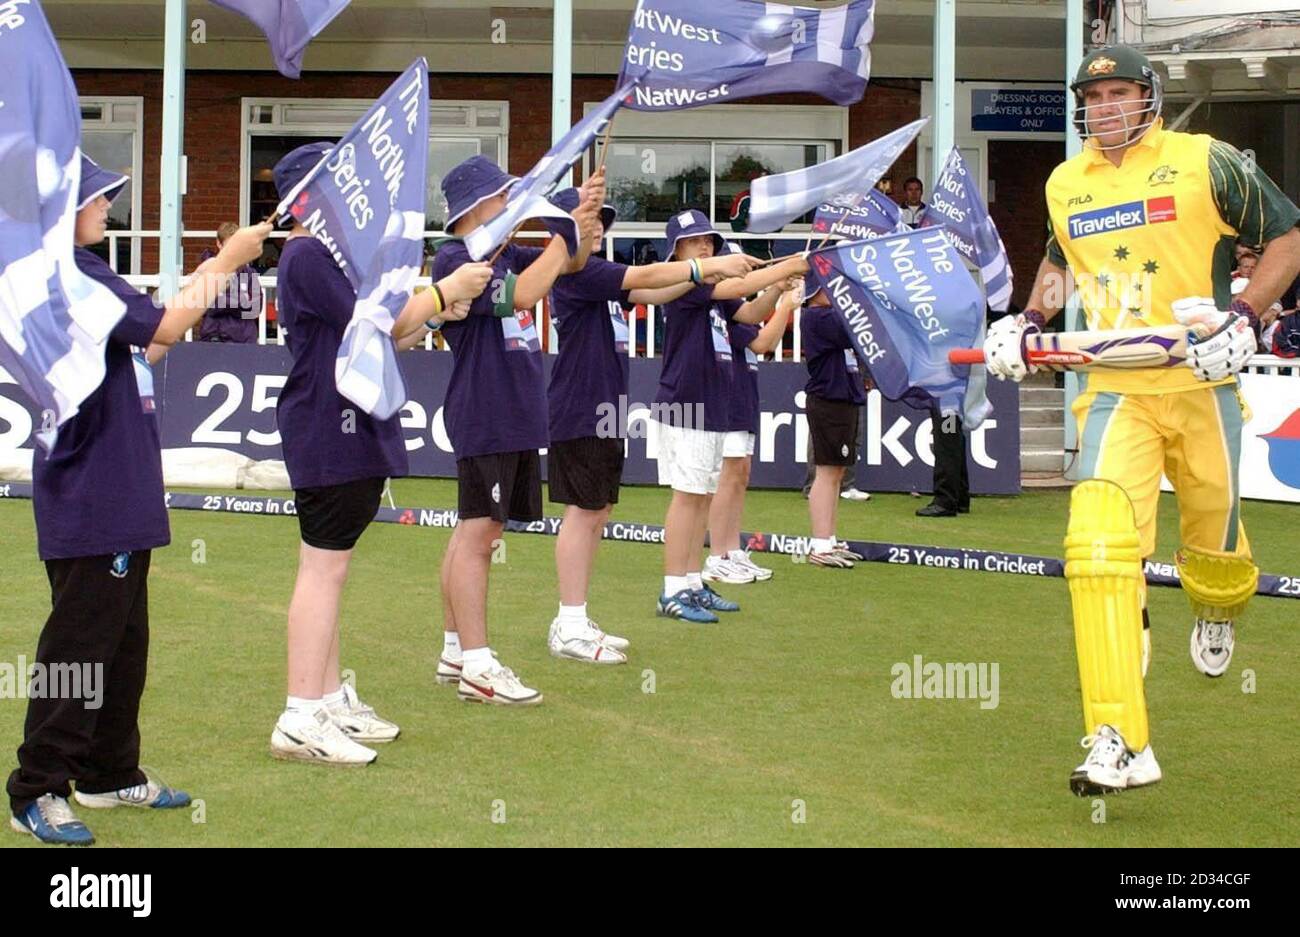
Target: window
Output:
[
  {"x": 457, "y": 130},
  {"x": 111, "y": 136},
  {"x": 704, "y": 158}
]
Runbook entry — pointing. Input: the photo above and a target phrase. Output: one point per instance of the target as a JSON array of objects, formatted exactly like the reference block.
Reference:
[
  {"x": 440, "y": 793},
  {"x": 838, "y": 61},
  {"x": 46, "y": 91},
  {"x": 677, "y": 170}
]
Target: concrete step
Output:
[
  {"x": 1042, "y": 416},
  {"x": 1037, "y": 438},
  {"x": 1042, "y": 397},
  {"x": 1046, "y": 461}
]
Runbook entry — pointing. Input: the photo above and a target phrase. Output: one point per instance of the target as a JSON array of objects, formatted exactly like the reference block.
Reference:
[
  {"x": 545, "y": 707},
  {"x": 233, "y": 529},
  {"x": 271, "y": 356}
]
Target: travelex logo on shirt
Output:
[{"x": 1118, "y": 217}]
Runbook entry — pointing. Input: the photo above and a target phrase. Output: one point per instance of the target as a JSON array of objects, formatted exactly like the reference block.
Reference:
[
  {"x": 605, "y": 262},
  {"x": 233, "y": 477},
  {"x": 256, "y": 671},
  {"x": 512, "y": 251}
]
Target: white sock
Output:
[
  {"x": 306, "y": 707},
  {"x": 477, "y": 659},
  {"x": 739, "y": 556},
  {"x": 333, "y": 699},
  {"x": 696, "y": 583},
  {"x": 451, "y": 643},
  {"x": 576, "y": 614},
  {"x": 675, "y": 584}
]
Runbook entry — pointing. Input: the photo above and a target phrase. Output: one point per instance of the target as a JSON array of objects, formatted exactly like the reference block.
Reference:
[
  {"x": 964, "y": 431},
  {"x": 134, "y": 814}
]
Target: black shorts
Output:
[
  {"x": 502, "y": 485},
  {"x": 585, "y": 472},
  {"x": 833, "y": 426},
  {"x": 334, "y": 517}
]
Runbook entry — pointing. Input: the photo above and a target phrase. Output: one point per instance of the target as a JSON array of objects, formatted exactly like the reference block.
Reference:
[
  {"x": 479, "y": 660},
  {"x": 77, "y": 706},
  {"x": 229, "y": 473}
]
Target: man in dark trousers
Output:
[{"x": 951, "y": 484}]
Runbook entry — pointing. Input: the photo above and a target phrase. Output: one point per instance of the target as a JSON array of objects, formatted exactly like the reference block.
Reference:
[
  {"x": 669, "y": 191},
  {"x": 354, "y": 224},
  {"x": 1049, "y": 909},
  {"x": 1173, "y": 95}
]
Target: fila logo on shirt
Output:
[
  {"x": 496, "y": 493},
  {"x": 1119, "y": 217}
]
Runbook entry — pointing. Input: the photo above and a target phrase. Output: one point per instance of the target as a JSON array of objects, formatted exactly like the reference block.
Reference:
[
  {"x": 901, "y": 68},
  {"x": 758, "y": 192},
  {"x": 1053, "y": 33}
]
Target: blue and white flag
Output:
[
  {"x": 54, "y": 320},
  {"x": 775, "y": 201},
  {"x": 365, "y": 202},
  {"x": 527, "y": 197},
  {"x": 859, "y": 215},
  {"x": 956, "y": 206},
  {"x": 689, "y": 53},
  {"x": 906, "y": 301},
  {"x": 289, "y": 25}
]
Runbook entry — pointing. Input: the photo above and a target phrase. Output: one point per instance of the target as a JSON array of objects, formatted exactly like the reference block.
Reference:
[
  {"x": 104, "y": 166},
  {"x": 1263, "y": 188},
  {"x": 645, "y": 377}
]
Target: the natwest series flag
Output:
[
  {"x": 860, "y": 214},
  {"x": 54, "y": 321},
  {"x": 289, "y": 25},
  {"x": 956, "y": 206},
  {"x": 777, "y": 200},
  {"x": 688, "y": 53},
  {"x": 528, "y": 196},
  {"x": 365, "y": 202},
  {"x": 906, "y": 300}
]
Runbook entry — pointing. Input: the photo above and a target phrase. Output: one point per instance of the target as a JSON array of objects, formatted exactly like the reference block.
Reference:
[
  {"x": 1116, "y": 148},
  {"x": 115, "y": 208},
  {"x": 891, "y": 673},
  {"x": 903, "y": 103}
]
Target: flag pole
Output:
[
  {"x": 604, "y": 145},
  {"x": 493, "y": 258}
]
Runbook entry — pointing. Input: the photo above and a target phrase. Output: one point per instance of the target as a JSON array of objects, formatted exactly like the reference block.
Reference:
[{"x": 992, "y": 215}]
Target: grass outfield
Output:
[{"x": 788, "y": 700}]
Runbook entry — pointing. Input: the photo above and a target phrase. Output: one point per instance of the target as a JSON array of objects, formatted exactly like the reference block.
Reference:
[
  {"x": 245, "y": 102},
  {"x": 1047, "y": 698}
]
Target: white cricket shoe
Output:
[
  {"x": 1212, "y": 643},
  {"x": 1111, "y": 766},
  {"x": 358, "y": 721},
  {"x": 722, "y": 569},
  {"x": 830, "y": 559},
  {"x": 314, "y": 737},
  {"x": 852, "y": 494},
  {"x": 742, "y": 559},
  {"x": 499, "y": 685},
  {"x": 609, "y": 640},
  {"x": 582, "y": 643},
  {"x": 842, "y": 549},
  {"x": 153, "y": 794}
]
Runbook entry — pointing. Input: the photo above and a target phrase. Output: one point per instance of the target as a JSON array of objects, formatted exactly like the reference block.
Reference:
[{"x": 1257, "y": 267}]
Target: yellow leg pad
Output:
[
  {"x": 1218, "y": 584},
  {"x": 1103, "y": 565}
]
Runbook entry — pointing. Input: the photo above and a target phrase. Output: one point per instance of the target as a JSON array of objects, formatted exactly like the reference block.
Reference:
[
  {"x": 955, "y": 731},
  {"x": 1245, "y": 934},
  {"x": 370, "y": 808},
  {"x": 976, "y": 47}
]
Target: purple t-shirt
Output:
[
  {"x": 833, "y": 370},
  {"x": 496, "y": 400},
  {"x": 591, "y": 368},
  {"x": 744, "y": 362},
  {"x": 697, "y": 368},
  {"x": 327, "y": 439},
  {"x": 233, "y": 317},
  {"x": 101, "y": 489}
]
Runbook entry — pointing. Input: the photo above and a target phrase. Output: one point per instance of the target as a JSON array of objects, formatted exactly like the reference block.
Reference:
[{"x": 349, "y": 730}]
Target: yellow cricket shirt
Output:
[{"x": 1156, "y": 228}]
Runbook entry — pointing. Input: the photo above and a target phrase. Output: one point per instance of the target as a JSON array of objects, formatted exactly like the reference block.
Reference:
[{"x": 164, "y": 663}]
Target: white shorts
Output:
[
  {"x": 690, "y": 460},
  {"x": 737, "y": 444}
]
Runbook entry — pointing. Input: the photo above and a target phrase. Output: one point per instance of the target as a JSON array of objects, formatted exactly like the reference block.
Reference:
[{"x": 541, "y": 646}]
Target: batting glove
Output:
[
  {"x": 1219, "y": 343},
  {"x": 1004, "y": 345}
]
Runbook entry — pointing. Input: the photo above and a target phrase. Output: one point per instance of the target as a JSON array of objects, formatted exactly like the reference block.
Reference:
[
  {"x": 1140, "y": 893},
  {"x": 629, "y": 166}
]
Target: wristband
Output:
[
  {"x": 1036, "y": 318},
  {"x": 697, "y": 272},
  {"x": 433, "y": 325},
  {"x": 1243, "y": 308},
  {"x": 439, "y": 301}
]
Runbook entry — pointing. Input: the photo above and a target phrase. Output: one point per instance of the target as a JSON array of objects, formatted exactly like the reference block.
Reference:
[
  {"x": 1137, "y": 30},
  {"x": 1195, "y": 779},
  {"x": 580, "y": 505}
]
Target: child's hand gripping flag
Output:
[
  {"x": 906, "y": 300},
  {"x": 365, "y": 202},
  {"x": 528, "y": 197}
]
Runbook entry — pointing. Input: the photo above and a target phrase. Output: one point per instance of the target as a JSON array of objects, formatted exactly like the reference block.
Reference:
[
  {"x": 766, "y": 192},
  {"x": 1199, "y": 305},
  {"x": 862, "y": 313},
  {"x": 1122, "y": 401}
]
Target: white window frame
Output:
[
  {"x": 136, "y": 127},
  {"x": 728, "y": 124},
  {"x": 350, "y": 110}
]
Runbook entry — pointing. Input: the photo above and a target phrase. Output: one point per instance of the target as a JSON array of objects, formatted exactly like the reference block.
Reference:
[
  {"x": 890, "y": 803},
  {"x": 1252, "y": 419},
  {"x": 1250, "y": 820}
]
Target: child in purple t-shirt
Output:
[
  {"x": 100, "y": 512},
  {"x": 588, "y": 398},
  {"x": 728, "y": 561},
  {"x": 338, "y": 458},
  {"x": 693, "y": 403},
  {"x": 495, "y": 414}
]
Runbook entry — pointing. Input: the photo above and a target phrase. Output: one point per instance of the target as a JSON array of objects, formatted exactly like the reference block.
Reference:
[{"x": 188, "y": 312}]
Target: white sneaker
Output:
[
  {"x": 583, "y": 644},
  {"x": 746, "y": 562},
  {"x": 1212, "y": 644},
  {"x": 842, "y": 549},
  {"x": 153, "y": 794},
  {"x": 314, "y": 737},
  {"x": 1146, "y": 651},
  {"x": 852, "y": 494},
  {"x": 448, "y": 672},
  {"x": 498, "y": 684},
  {"x": 830, "y": 558},
  {"x": 721, "y": 569},
  {"x": 1111, "y": 766},
  {"x": 359, "y": 721},
  {"x": 609, "y": 640}
]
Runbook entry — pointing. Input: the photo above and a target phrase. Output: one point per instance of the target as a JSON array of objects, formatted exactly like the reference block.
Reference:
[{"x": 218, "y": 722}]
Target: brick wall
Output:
[{"x": 1019, "y": 170}]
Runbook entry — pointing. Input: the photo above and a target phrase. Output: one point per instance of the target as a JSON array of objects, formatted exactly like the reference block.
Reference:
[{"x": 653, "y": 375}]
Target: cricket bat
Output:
[{"x": 1162, "y": 346}]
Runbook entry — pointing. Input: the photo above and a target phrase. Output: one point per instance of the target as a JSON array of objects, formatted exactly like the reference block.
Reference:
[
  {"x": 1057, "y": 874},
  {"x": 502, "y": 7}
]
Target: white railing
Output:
[{"x": 638, "y": 345}]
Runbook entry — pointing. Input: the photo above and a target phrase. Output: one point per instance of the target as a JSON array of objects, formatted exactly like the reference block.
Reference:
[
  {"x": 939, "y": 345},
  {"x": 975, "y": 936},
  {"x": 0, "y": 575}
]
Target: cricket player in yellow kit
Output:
[{"x": 1145, "y": 219}]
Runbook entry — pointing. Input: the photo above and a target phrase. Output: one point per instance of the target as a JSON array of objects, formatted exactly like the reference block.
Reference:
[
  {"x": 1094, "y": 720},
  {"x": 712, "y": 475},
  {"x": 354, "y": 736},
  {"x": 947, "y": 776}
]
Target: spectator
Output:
[
  {"x": 1270, "y": 318},
  {"x": 233, "y": 316},
  {"x": 913, "y": 207}
]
